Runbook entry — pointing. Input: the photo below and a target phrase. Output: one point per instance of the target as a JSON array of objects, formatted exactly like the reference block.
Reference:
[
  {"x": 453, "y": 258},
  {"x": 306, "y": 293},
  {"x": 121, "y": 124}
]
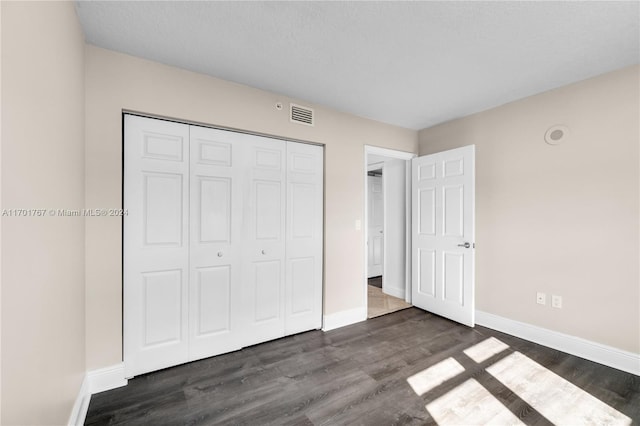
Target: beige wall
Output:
[
  {"x": 559, "y": 219},
  {"x": 43, "y": 336},
  {"x": 115, "y": 82}
]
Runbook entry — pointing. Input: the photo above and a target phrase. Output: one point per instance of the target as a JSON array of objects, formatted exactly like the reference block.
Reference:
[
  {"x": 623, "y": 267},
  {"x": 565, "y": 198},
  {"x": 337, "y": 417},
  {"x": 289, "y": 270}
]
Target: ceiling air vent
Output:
[{"x": 301, "y": 115}]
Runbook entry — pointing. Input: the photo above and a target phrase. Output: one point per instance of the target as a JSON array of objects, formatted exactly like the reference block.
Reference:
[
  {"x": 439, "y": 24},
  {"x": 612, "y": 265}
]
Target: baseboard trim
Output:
[
  {"x": 343, "y": 318},
  {"x": 81, "y": 405},
  {"x": 95, "y": 381},
  {"x": 394, "y": 291},
  {"x": 596, "y": 352},
  {"x": 107, "y": 378}
]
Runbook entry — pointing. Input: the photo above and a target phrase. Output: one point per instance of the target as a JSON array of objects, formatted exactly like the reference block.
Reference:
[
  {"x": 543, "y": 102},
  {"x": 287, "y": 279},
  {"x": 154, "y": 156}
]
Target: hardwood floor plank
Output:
[
  {"x": 160, "y": 409},
  {"x": 356, "y": 375}
]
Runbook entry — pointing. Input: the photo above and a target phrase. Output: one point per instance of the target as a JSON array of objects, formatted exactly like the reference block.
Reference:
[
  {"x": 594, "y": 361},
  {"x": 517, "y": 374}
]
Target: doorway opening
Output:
[{"x": 387, "y": 230}]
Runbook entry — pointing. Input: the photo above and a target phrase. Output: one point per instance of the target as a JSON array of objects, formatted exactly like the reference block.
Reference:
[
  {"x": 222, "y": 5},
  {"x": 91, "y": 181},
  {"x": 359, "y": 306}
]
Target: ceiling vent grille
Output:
[{"x": 301, "y": 115}]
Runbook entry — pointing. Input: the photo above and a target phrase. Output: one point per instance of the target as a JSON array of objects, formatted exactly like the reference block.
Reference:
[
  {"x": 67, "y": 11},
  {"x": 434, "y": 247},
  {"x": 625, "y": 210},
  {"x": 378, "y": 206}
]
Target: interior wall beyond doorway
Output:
[
  {"x": 375, "y": 221},
  {"x": 395, "y": 224}
]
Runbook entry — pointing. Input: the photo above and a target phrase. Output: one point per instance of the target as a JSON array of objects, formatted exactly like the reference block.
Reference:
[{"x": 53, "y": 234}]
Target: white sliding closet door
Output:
[
  {"x": 264, "y": 239},
  {"x": 156, "y": 244},
  {"x": 303, "y": 301},
  {"x": 215, "y": 311},
  {"x": 222, "y": 244}
]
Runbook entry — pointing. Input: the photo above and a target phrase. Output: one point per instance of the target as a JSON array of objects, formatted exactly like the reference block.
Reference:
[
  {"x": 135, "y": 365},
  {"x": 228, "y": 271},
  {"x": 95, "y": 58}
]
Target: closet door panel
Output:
[
  {"x": 213, "y": 299},
  {"x": 161, "y": 304},
  {"x": 264, "y": 239},
  {"x": 268, "y": 211},
  {"x": 162, "y": 209},
  {"x": 267, "y": 281},
  {"x": 215, "y": 308},
  {"x": 301, "y": 287},
  {"x": 303, "y": 302},
  {"x": 155, "y": 244},
  {"x": 223, "y": 242},
  {"x": 215, "y": 209}
]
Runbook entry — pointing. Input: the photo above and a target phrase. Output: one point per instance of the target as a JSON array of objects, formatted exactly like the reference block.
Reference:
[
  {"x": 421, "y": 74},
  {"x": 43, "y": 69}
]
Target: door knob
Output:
[{"x": 465, "y": 245}]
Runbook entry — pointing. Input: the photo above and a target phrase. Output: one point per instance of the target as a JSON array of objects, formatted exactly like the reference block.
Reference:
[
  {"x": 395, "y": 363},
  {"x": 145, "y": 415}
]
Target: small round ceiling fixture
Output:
[{"x": 556, "y": 134}]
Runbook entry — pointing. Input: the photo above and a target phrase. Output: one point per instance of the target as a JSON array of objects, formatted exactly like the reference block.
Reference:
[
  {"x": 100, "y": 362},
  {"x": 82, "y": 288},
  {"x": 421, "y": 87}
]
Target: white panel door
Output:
[
  {"x": 443, "y": 187},
  {"x": 215, "y": 306},
  {"x": 264, "y": 239},
  {"x": 375, "y": 237},
  {"x": 155, "y": 244},
  {"x": 222, "y": 244},
  {"x": 303, "y": 285}
]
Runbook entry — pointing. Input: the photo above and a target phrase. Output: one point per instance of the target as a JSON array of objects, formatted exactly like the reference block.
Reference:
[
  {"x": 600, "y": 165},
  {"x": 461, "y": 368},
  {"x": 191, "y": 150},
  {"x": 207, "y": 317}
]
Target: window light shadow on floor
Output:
[{"x": 470, "y": 403}]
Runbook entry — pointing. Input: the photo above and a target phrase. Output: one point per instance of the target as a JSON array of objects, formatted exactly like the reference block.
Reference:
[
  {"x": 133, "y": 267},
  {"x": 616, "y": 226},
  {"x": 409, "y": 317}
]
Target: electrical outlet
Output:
[
  {"x": 541, "y": 298},
  {"x": 556, "y": 301}
]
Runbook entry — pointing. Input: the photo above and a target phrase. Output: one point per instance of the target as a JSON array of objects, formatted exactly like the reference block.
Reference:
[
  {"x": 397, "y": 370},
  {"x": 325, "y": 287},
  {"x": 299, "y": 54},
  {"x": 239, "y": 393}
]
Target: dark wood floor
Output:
[
  {"x": 354, "y": 375},
  {"x": 375, "y": 281}
]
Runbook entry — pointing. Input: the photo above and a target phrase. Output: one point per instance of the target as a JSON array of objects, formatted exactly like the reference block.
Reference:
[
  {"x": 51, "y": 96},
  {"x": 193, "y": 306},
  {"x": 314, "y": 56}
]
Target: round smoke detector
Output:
[{"x": 556, "y": 134}]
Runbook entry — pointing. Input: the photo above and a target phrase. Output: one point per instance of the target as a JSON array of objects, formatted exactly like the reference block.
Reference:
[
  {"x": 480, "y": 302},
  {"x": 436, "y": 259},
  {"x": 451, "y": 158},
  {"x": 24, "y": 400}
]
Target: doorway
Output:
[
  {"x": 387, "y": 227},
  {"x": 438, "y": 249}
]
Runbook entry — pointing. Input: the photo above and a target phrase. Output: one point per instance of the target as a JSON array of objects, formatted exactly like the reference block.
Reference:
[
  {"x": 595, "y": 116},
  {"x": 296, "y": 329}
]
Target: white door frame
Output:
[{"x": 401, "y": 155}]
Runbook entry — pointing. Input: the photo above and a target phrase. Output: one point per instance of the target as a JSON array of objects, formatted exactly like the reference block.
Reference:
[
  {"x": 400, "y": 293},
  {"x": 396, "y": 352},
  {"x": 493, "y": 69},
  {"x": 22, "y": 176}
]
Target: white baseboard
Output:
[
  {"x": 81, "y": 405},
  {"x": 95, "y": 381},
  {"x": 596, "y": 352},
  {"x": 344, "y": 318},
  {"x": 394, "y": 291},
  {"x": 107, "y": 378}
]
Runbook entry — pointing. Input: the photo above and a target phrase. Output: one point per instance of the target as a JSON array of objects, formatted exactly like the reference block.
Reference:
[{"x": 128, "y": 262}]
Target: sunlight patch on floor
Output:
[
  {"x": 557, "y": 399},
  {"x": 485, "y": 349},
  {"x": 470, "y": 404},
  {"x": 435, "y": 375}
]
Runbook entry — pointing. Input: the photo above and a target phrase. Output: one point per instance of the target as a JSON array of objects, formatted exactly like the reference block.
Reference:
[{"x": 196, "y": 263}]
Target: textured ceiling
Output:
[{"x": 413, "y": 64}]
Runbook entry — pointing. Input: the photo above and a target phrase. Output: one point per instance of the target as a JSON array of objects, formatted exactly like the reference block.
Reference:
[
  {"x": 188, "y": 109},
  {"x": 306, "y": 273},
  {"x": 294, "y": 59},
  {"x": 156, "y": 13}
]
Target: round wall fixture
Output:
[{"x": 556, "y": 134}]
